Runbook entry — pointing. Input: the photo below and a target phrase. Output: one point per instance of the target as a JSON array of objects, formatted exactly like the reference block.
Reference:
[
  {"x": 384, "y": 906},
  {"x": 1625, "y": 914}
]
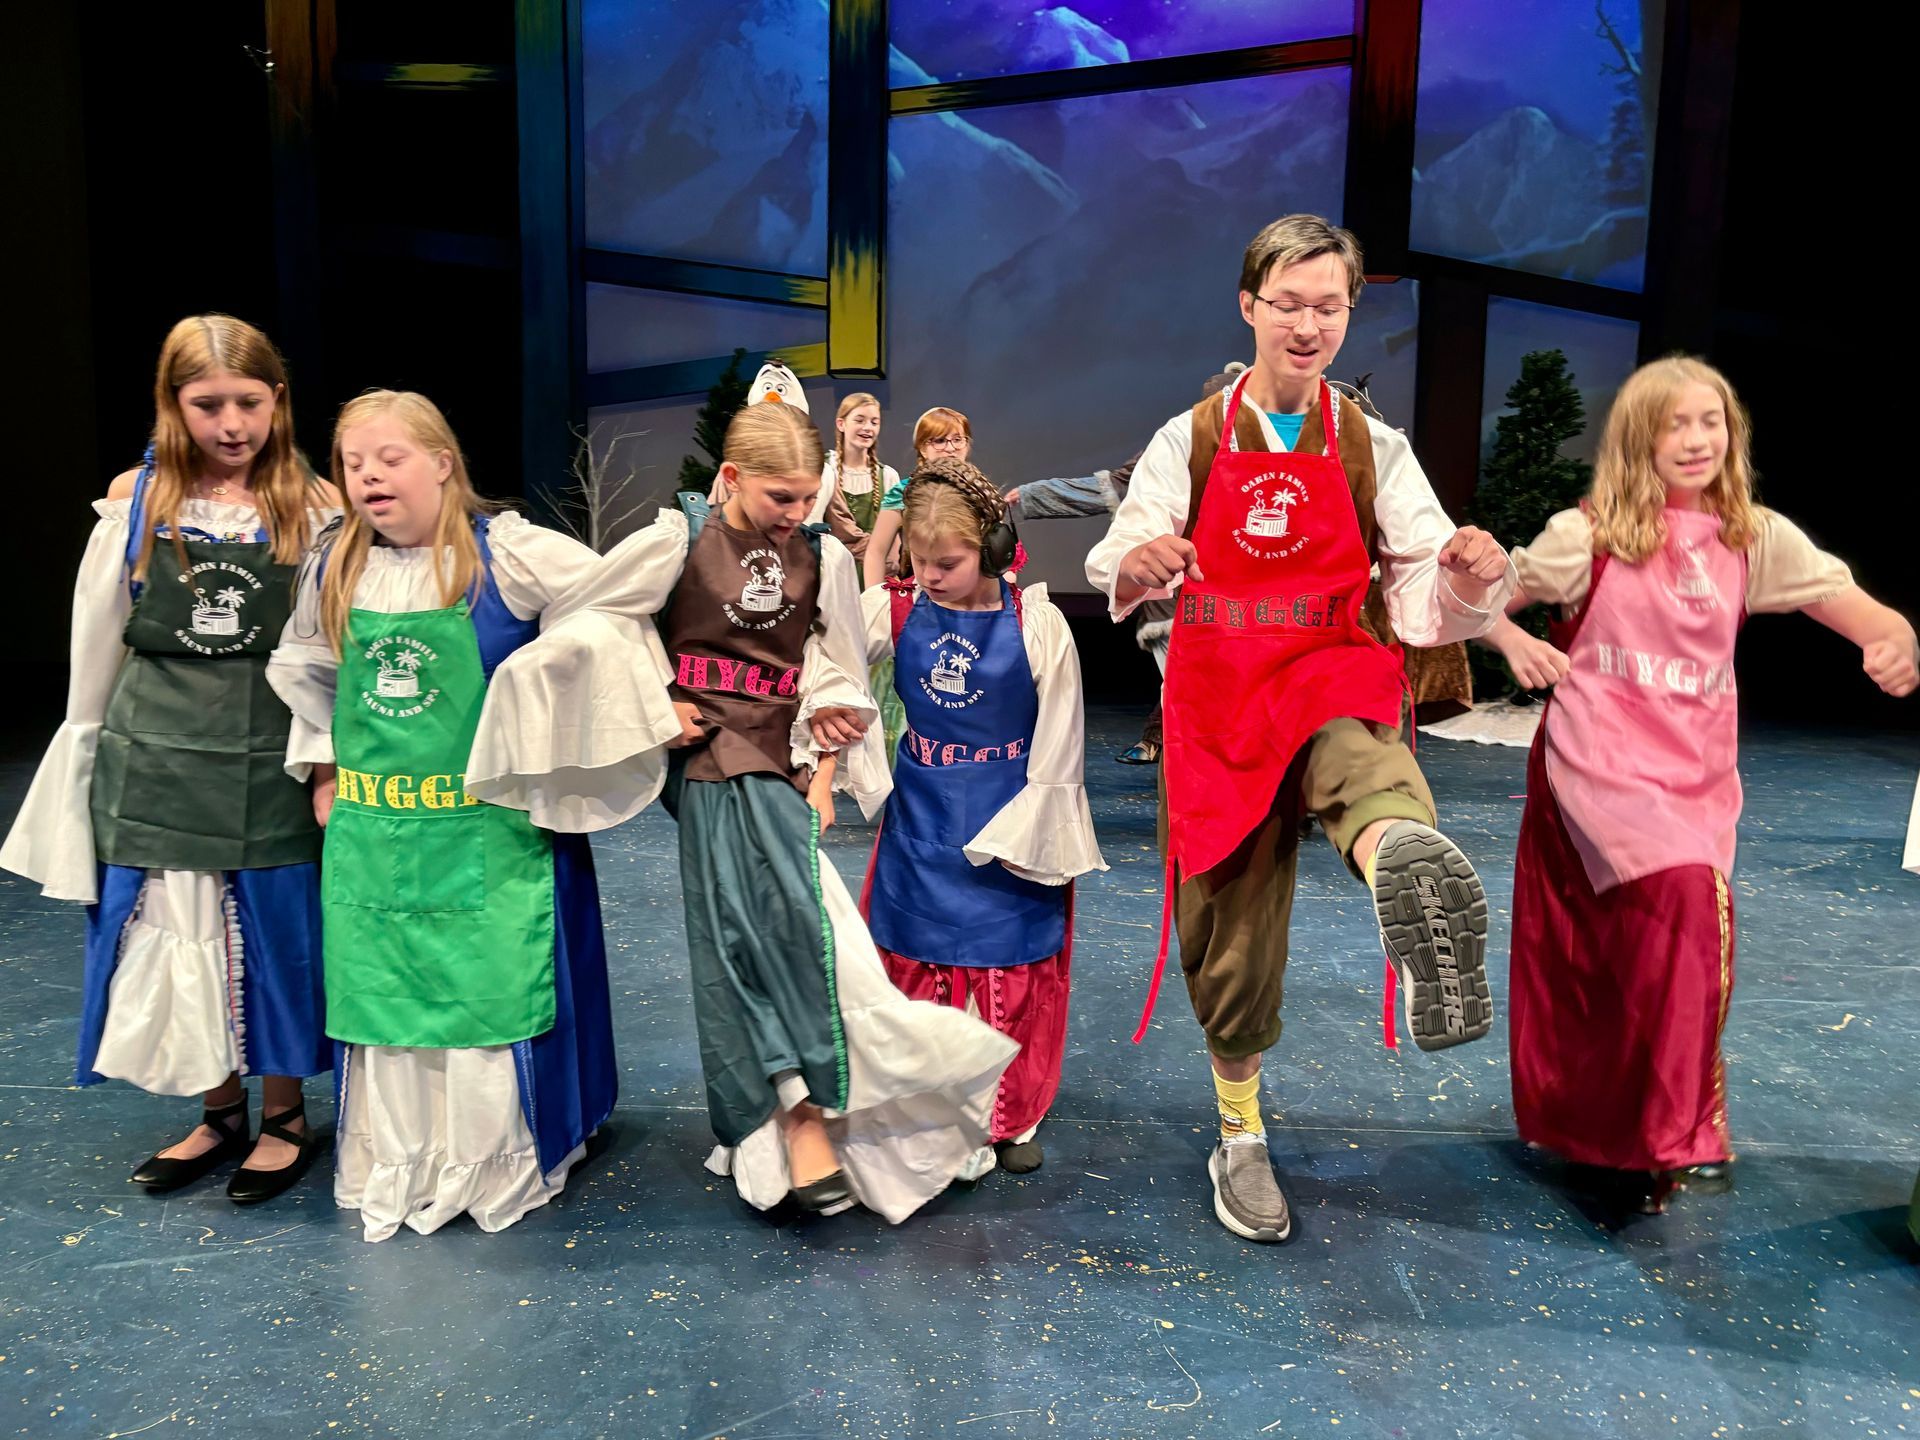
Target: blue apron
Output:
[{"x": 971, "y": 705}]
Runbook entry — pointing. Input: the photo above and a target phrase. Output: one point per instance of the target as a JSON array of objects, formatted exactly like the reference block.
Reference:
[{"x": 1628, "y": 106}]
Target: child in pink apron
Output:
[{"x": 1622, "y": 914}]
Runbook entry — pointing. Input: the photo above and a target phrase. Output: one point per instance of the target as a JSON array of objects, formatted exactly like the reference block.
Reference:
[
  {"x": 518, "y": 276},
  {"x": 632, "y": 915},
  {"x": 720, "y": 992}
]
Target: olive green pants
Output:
[{"x": 1232, "y": 921}]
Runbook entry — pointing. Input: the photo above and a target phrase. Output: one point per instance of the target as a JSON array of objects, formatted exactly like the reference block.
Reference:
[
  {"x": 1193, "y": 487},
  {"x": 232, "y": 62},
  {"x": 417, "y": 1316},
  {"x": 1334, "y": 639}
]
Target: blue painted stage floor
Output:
[{"x": 1441, "y": 1281}]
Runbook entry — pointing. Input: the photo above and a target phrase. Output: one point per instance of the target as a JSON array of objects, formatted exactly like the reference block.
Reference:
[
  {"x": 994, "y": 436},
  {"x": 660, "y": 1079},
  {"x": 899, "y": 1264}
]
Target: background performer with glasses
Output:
[{"x": 1263, "y": 509}]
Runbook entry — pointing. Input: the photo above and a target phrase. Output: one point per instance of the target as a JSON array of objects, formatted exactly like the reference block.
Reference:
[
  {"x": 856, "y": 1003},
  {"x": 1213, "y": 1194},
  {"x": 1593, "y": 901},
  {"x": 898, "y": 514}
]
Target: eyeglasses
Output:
[
  {"x": 948, "y": 442},
  {"x": 1330, "y": 316}
]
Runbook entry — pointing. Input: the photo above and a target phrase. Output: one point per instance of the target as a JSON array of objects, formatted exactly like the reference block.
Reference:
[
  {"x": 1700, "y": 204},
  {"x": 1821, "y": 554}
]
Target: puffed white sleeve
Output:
[
  {"x": 305, "y": 674},
  {"x": 51, "y": 842},
  {"x": 1045, "y": 832},
  {"x": 1422, "y": 604},
  {"x": 1155, "y": 505},
  {"x": 876, "y": 610},
  {"x": 834, "y": 674},
  {"x": 534, "y": 566},
  {"x": 576, "y": 723}
]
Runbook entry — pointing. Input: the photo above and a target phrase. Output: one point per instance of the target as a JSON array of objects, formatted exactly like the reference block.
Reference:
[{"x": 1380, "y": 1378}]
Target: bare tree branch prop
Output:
[{"x": 589, "y": 504}]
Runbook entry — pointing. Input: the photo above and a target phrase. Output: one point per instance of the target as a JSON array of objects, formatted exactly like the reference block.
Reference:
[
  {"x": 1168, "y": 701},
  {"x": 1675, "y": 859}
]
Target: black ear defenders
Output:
[
  {"x": 999, "y": 545},
  {"x": 999, "y": 542}
]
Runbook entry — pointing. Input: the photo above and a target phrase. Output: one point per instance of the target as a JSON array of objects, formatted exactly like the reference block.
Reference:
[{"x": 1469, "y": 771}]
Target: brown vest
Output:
[
  {"x": 736, "y": 632},
  {"x": 1356, "y": 454}
]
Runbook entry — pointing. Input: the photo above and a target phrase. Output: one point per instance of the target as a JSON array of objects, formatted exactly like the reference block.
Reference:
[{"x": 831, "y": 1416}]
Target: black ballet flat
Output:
[
  {"x": 824, "y": 1194},
  {"x": 250, "y": 1187},
  {"x": 161, "y": 1175},
  {"x": 1019, "y": 1157}
]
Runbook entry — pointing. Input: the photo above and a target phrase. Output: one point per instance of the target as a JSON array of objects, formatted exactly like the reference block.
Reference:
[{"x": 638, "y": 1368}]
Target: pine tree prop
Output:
[
  {"x": 1527, "y": 480},
  {"x": 724, "y": 400}
]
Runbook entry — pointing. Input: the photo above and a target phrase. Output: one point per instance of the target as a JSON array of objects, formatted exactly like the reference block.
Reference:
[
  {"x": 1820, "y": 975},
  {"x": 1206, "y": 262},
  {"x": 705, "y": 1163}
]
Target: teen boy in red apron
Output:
[{"x": 1261, "y": 512}]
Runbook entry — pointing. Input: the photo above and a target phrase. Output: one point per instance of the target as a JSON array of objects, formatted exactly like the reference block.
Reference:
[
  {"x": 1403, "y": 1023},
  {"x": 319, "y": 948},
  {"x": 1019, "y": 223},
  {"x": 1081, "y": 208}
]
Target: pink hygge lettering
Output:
[
  {"x": 1675, "y": 675},
  {"x": 1303, "y": 612},
  {"x": 935, "y": 752},
  {"x": 716, "y": 672}
]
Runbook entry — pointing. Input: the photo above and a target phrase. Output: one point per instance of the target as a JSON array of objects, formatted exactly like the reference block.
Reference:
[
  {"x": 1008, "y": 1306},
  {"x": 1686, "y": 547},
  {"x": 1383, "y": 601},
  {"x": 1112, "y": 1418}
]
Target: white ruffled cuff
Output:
[
  {"x": 308, "y": 745},
  {"x": 1044, "y": 834},
  {"x": 576, "y": 724},
  {"x": 863, "y": 772},
  {"x": 52, "y": 838}
]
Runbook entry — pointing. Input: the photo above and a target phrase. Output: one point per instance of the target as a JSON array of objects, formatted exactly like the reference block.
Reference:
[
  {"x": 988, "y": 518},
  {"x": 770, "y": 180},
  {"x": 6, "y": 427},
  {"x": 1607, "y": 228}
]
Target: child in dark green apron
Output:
[
  {"x": 722, "y": 659},
  {"x": 466, "y": 974},
  {"x": 161, "y": 804}
]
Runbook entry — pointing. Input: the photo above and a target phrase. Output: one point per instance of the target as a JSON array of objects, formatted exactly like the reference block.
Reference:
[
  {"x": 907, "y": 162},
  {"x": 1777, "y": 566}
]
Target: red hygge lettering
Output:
[
  {"x": 716, "y": 672},
  {"x": 1300, "y": 612},
  {"x": 935, "y": 752}
]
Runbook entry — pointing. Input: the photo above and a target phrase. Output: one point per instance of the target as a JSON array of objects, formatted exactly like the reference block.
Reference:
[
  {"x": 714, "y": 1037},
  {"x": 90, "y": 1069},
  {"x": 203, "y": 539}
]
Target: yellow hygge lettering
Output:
[{"x": 402, "y": 792}]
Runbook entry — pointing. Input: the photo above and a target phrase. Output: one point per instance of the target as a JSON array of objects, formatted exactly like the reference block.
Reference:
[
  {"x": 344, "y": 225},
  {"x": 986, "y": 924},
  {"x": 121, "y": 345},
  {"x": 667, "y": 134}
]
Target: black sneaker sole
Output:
[
  {"x": 1433, "y": 918},
  {"x": 1264, "y": 1234}
]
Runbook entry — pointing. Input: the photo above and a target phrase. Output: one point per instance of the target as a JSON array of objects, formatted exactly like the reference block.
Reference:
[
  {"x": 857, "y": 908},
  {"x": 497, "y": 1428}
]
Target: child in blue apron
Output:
[
  {"x": 970, "y": 895},
  {"x": 161, "y": 804},
  {"x": 465, "y": 971},
  {"x": 720, "y": 656}
]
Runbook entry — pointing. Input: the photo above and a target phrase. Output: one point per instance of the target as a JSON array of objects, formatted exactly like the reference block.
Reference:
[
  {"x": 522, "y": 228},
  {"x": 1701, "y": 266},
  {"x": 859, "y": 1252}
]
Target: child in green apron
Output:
[
  {"x": 161, "y": 804},
  {"x": 465, "y": 970},
  {"x": 723, "y": 660}
]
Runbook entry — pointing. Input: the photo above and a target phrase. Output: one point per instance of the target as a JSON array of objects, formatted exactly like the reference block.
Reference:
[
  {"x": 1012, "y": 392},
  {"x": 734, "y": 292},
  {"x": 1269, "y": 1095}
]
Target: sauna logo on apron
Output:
[
  {"x": 763, "y": 602},
  {"x": 946, "y": 684},
  {"x": 1688, "y": 581},
  {"x": 398, "y": 687},
  {"x": 1266, "y": 533},
  {"x": 216, "y": 618}
]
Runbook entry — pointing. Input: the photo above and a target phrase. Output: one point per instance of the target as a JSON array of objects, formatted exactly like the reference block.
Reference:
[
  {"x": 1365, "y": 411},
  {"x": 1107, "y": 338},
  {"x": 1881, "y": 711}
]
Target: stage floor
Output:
[{"x": 1440, "y": 1282}]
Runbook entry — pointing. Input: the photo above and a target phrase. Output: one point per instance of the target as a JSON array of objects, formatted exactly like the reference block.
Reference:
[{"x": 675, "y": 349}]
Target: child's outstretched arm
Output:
[
  {"x": 1786, "y": 571},
  {"x": 1885, "y": 637}
]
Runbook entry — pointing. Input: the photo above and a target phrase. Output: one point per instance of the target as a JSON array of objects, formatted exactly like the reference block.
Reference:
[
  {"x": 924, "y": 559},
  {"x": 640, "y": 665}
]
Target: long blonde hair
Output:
[
  {"x": 847, "y": 406},
  {"x": 456, "y": 554},
  {"x": 197, "y": 347},
  {"x": 1628, "y": 495},
  {"x": 769, "y": 439}
]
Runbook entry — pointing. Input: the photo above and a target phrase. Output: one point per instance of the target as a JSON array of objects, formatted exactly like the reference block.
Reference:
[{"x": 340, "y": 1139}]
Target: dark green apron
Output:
[{"x": 190, "y": 772}]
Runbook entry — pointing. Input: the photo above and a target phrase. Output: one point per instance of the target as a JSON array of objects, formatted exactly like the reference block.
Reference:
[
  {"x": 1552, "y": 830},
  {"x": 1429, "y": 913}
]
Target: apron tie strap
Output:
[
  {"x": 1160, "y": 960},
  {"x": 1392, "y": 995}
]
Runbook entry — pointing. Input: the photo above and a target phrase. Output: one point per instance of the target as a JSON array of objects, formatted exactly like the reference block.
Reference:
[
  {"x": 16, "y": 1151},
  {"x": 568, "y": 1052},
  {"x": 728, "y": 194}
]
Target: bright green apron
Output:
[{"x": 437, "y": 909}]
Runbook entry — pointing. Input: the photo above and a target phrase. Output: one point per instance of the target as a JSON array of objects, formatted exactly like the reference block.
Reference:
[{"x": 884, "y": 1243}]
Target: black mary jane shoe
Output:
[
  {"x": 250, "y": 1187},
  {"x": 161, "y": 1174},
  {"x": 826, "y": 1193},
  {"x": 1146, "y": 752}
]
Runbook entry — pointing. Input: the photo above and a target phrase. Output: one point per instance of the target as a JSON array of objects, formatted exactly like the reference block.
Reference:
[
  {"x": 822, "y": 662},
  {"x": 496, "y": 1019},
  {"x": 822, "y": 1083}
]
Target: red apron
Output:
[{"x": 1267, "y": 648}]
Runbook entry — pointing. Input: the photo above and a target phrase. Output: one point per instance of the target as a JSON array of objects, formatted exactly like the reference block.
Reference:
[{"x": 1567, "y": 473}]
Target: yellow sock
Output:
[
  {"x": 1239, "y": 1105},
  {"x": 1372, "y": 860}
]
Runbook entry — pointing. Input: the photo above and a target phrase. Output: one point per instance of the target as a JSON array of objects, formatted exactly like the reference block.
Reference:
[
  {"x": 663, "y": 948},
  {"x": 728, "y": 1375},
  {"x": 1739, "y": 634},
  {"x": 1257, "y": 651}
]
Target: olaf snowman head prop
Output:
[
  {"x": 778, "y": 384},
  {"x": 775, "y": 384}
]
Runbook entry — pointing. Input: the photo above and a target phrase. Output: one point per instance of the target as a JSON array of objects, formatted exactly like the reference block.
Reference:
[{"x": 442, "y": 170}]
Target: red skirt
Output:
[
  {"x": 1616, "y": 1002},
  {"x": 1026, "y": 1003}
]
